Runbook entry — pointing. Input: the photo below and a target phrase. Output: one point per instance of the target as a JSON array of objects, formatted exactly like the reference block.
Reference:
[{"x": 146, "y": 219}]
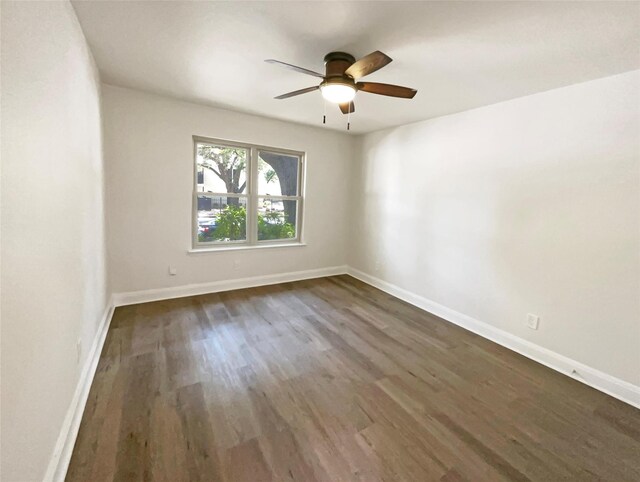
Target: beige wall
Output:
[
  {"x": 53, "y": 250},
  {"x": 527, "y": 206},
  {"x": 149, "y": 152}
]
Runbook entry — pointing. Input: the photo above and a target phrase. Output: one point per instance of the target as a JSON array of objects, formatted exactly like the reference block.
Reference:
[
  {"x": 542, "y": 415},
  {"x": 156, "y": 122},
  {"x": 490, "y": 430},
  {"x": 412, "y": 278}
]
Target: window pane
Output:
[
  {"x": 276, "y": 219},
  {"x": 221, "y": 168},
  {"x": 222, "y": 218},
  {"x": 277, "y": 174}
]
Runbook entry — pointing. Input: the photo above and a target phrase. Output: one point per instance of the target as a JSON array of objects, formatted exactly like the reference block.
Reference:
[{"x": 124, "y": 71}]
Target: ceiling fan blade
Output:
[
  {"x": 348, "y": 107},
  {"x": 296, "y": 68},
  {"x": 387, "y": 89},
  {"x": 297, "y": 92},
  {"x": 368, "y": 64}
]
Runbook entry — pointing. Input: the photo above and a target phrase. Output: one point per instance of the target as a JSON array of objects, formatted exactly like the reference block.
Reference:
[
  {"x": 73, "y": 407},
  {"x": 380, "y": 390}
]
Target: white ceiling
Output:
[{"x": 459, "y": 55}]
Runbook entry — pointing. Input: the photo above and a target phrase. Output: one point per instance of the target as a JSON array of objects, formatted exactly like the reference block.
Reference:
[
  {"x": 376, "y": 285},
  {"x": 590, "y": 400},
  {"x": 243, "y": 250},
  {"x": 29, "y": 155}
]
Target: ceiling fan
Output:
[{"x": 340, "y": 83}]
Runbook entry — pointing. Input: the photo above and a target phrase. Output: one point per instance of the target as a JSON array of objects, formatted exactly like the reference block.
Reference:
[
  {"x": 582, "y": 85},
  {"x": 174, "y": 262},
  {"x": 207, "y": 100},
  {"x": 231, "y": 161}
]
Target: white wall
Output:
[
  {"x": 53, "y": 250},
  {"x": 149, "y": 154},
  {"x": 527, "y": 206}
]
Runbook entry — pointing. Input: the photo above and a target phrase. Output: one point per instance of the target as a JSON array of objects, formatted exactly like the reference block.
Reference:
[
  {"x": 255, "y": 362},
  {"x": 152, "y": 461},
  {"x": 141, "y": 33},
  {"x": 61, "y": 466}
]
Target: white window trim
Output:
[{"x": 252, "y": 199}]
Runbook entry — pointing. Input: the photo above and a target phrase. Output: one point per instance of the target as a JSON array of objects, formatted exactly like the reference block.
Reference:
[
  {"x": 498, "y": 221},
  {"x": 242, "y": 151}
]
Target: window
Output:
[{"x": 245, "y": 195}]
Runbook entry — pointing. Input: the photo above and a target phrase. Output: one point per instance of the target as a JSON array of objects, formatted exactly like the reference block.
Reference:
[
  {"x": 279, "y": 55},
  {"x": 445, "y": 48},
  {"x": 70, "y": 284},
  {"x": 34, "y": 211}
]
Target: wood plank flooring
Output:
[{"x": 333, "y": 380}]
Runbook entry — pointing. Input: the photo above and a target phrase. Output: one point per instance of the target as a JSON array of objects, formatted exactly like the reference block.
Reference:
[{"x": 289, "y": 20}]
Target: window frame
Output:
[{"x": 252, "y": 196}]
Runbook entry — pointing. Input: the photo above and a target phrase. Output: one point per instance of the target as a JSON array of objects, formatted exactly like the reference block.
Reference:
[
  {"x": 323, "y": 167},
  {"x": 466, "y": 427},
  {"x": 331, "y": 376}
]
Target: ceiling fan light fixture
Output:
[{"x": 338, "y": 93}]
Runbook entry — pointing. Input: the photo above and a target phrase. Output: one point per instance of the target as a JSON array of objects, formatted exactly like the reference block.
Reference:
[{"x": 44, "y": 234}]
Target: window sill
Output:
[{"x": 243, "y": 247}]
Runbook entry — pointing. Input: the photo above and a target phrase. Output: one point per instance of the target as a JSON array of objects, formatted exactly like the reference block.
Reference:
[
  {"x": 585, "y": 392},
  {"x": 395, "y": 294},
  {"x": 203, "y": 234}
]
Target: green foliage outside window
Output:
[
  {"x": 273, "y": 226},
  {"x": 231, "y": 224}
]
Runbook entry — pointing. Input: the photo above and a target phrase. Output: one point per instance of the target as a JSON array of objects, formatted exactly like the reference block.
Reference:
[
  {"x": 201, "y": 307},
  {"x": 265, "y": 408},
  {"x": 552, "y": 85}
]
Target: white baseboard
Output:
[
  {"x": 59, "y": 462},
  {"x": 134, "y": 297},
  {"x": 608, "y": 384}
]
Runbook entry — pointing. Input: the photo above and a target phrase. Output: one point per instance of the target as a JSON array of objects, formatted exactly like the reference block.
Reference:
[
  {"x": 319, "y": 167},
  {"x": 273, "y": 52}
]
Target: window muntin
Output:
[{"x": 245, "y": 194}]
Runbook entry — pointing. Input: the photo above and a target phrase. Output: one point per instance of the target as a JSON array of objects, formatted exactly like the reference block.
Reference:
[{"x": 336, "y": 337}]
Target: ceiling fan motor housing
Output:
[{"x": 335, "y": 65}]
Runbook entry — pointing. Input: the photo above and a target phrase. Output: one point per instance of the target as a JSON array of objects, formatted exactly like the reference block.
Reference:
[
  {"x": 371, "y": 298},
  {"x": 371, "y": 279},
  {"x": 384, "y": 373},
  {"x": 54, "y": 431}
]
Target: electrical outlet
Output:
[
  {"x": 173, "y": 270},
  {"x": 78, "y": 350},
  {"x": 236, "y": 264},
  {"x": 533, "y": 321},
  {"x": 377, "y": 265}
]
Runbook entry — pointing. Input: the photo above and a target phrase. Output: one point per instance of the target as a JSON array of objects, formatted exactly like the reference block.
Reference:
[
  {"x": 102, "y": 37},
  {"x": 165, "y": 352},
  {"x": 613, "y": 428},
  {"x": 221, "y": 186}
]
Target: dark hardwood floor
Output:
[{"x": 333, "y": 380}]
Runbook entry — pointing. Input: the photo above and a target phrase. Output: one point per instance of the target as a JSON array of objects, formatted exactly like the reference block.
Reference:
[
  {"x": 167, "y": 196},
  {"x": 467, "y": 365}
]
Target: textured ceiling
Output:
[{"x": 459, "y": 55}]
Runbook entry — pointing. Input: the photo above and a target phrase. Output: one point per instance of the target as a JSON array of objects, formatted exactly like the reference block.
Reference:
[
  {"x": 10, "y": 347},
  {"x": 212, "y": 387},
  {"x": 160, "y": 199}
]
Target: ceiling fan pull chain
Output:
[
  {"x": 324, "y": 112},
  {"x": 349, "y": 117}
]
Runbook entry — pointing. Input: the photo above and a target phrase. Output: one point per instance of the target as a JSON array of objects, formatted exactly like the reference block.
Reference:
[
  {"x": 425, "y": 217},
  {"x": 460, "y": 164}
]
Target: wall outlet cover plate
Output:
[{"x": 533, "y": 321}]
